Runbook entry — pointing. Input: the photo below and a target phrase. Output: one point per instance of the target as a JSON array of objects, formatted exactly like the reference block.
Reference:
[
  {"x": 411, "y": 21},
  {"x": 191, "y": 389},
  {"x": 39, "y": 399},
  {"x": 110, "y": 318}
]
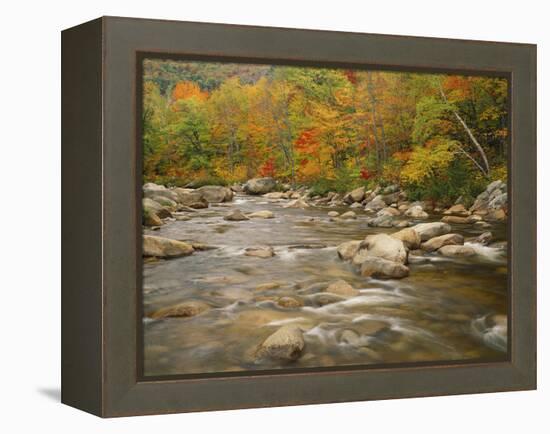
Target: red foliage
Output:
[
  {"x": 365, "y": 174},
  {"x": 351, "y": 76},
  {"x": 268, "y": 168}
]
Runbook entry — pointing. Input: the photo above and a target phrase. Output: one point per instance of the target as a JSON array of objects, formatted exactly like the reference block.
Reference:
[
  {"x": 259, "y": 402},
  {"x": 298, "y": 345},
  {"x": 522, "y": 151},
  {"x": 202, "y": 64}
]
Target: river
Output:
[{"x": 441, "y": 312}]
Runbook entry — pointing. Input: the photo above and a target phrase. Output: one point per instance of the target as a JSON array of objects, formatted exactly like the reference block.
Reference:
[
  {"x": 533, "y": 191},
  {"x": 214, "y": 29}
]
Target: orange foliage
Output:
[{"x": 186, "y": 90}]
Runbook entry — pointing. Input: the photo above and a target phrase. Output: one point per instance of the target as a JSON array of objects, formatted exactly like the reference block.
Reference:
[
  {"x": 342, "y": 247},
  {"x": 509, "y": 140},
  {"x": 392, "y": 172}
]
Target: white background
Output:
[{"x": 30, "y": 215}]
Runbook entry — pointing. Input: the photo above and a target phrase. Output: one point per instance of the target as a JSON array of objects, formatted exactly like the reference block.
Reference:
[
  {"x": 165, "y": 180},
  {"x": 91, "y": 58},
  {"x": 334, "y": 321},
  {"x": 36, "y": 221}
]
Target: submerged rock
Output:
[
  {"x": 235, "y": 216},
  {"x": 265, "y": 214},
  {"x": 348, "y": 215},
  {"x": 297, "y": 203},
  {"x": 164, "y": 247},
  {"x": 287, "y": 344},
  {"x": 341, "y": 287},
  {"x": 182, "y": 310},
  {"x": 260, "y": 252},
  {"x": 290, "y": 302}
]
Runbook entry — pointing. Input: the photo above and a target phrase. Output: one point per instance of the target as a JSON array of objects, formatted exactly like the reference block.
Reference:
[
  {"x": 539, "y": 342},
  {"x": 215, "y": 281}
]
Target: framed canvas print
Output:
[{"x": 261, "y": 217}]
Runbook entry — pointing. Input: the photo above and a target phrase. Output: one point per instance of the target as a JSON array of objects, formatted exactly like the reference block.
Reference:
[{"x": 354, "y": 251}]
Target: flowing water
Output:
[{"x": 442, "y": 311}]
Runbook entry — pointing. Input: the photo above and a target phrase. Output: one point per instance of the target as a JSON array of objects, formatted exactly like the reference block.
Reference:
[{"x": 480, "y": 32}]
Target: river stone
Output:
[
  {"x": 333, "y": 214},
  {"x": 190, "y": 198},
  {"x": 150, "y": 189},
  {"x": 235, "y": 216},
  {"x": 260, "y": 185},
  {"x": 182, "y": 310},
  {"x": 443, "y": 240},
  {"x": 341, "y": 287},
  {"x": 275, "y": 195},
  {"x": 457, "y": 251},
  {"x": 347, "y": 250},
  {"x": 496, "y": 215},
  {"x": 166, "y": 202},
  {"x": 265, "y": 214},
  {"x": 149, "y": 205},
  {"x": 499, "y": 201},
  {"x": 348, "y": 215},
  {"x": 457, "y": 210},
  {"x": 485, "y": 238},
  {"x": 350, "y": 337},
  {"x": 482, "y": 225},
  {"x": 430, "y": 230},
  {"x": 380, "y": 268},
  {"x": 216, "y": 193},
  {"x": 375, "y": 204},
  {"x": 416, "y": 211},
  {"x": 388, "y": 211},
  {"x": 297, "y": 203},
  {"x": 474, "y": 218},
  {"x": 287, "y": 344},
  {"x": 388, "y": 199},
  {"x": 150, "y": 218},
  {"x": 383, "y": 221},
  {"x": 454, "y": 219},
  {"x": 409, "y": 237},
  {"x": 383, "y": 246},
  {"x": 160, "y": 247},
  {"x": 356, "y": 195},
  {"x": 290, "y": 302},
  {"x": 260, "y": 252},
  {"x": 268, "y": 286}
]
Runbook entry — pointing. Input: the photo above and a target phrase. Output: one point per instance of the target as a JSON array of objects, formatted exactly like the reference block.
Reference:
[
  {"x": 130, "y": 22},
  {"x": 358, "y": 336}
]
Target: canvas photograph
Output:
[{"x": 300, "y": 217}]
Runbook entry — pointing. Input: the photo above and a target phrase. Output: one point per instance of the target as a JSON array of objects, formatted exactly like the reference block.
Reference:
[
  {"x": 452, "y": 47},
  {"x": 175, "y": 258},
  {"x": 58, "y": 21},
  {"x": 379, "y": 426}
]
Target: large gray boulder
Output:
[
  {"x": 260, "y": 185},
  {"x": 160, "y": 247},
  {"x": 191, "y": 198},
  {"x": 375, "y": 204},
  {"x": 151, "y": 189},
  {"x": 286, "y": 344},
  {"x": 382, "y": 246},
  {"x": 430, "y": 230},
  {"x": 216, "y": 193}
]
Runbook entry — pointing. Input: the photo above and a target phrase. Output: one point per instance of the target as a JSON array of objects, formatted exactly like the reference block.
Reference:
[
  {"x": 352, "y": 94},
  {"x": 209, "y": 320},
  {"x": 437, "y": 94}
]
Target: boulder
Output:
[
  {"x": 346, "y": 251},
  {"x": 297, "y": 203},
  {"x": 341, "y": 287},
  {"x": 236, "y": 188},
  {"x": 409, "y": 237},
  {"x": 264, "y": 214},
  {"x": 457, "y": 251},
  {"x": 457, "y": 210},
  {"x": 151, "y": 189},
  {"x": 216, "y": 193},
  {"x": 474, "y": 218},
  {"x": 380, "y": 268},
  {"x": 348, "y": 215},
  {"x": 388, "y": 199},
  {"x": 383, "y": 246},
  {"x": 152, "y": 207},
  {"x": 151, "y": 219},
  {"x": 190, "y": 198},
  {"x": 401, "y": 224},
  {"x": 160, "y": 247},
  {"x": 182, "y": 310},
  {"x": 375, "y": 204},
  {"x": 166, "y": 202},
  {"x": 383, "y": 221},
  {"x": 430, "y": 230},
  {"x": 235, "y": 216},
  {"x": 485, "y": 238},
  {"x": 417, "y": 212},
  {"x": 453, "y": 219},
  {"x": 388, "y": 211},
  {"x": 499, "y": 202},
  {"x": 442, "y": 240},
  {"x": 260, "y": 185},
  {"x": 498, "y": 215},
  {"x": 285, "y": 344},
  {"x": 260, "y": 252},
  {"x": 356, "y": 195}
]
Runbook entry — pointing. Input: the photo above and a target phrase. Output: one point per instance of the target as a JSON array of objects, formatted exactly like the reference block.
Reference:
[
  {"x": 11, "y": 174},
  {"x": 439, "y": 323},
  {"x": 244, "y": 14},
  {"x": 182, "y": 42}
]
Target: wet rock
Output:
[
  {"x": 268, "y": 286},
  {"x": 380, "y": 268},
  {"x": 260, "y": 185},
  {"x": 290, "y": 302},
  {"x": 388, "y": 211},
  {"x": 474, "y": 218},
  {"x": 152, "y": 207},
  {"x": 454, "y": 219},
  {"x": 182, "y": 310},
  {"x": 265, "y": 214},
  {"x": 350, "y": 337},
  {"x": 286, "y": 344},
  {"x": 260, "y": 252},
  {"x": 457, "y": 210},
  {"x": 297, "y": 203},
  {"x": 333, "y": 214},
  {"x": 442, "y": 240},
  {"x": 235, "y": 216},
  {"x": 430, "y": 230},
  {"x": 346, "y": 251},
  {"x": 276, "y": 195},
  {"x": 417, "y": 212},
  {"x": 482, "y": 225},
  {"x": 383, "y": 246},
  {"x": 164, "y": 247},
  {"x": 457, "y": 251},
  {"x": 409, "y": 237},
  {"x": 348, "y": 215},
  {"x": 325, "y": 298},
  {"x": 151, "y": 219},
  {"x": 485, "y": 238},
  {"x": 341, "y": 287},
  {"x": 216, "y": 193}
]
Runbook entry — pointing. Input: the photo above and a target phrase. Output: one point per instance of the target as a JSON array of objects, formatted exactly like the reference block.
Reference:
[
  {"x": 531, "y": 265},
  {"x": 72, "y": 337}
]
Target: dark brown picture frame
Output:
[{"x": 101, "y": 228}]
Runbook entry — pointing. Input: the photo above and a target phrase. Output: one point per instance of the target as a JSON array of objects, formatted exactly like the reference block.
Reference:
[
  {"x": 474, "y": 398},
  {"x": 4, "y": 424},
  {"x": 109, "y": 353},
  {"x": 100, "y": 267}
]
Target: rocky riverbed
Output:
[{"x": 251, "y": 278}]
